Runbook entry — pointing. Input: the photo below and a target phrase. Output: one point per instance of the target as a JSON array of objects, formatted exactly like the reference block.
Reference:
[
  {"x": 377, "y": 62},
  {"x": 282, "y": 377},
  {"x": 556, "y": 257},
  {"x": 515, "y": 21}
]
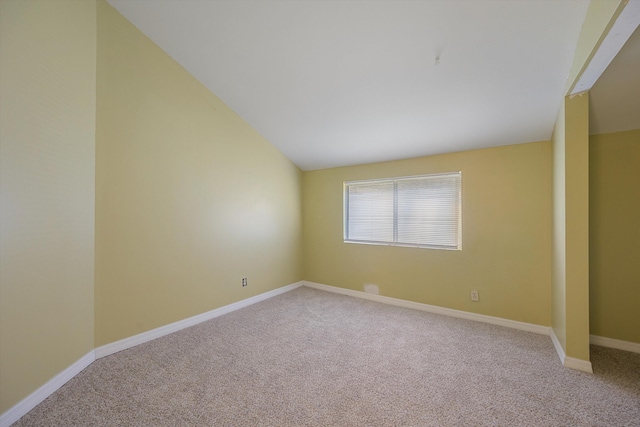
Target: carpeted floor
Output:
[{"x": 312, "y": 358}]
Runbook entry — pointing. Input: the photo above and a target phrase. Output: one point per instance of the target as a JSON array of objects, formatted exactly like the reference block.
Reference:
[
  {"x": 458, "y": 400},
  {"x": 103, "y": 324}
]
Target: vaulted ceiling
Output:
[{"x": 334, "y": 83}]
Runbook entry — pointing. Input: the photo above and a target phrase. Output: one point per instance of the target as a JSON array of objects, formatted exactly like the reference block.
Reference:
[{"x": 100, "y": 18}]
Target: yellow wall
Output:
[
  {"x": 571, "y": 227},
  {"x": 47, "y": 146},
  {"x": 558, "y": 255},
  {"x": 506, "y": 241},
  {"x": 577, "y": 225},
  {"x": 614, "y": 235},
  {"x": 570, "y": 280},
  {"x": 189, "y": 198}
]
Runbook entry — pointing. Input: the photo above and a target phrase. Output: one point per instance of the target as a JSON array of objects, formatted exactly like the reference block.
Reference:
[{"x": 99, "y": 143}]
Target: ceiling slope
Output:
[{"x": 335, "y": 83}]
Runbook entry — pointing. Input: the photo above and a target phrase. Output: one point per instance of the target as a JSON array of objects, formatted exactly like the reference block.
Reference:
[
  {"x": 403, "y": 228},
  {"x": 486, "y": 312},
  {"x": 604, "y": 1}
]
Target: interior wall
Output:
[
  {"x": 570, "y": 300},
  {"x": 558, "y": 283},
  {"x": 47, "y": 146},
  {"x": 189, "y": 198},
  {"x": 506, "y": 239},
  {"x": 614, "y": 233},
  {"x": 571, "y": 227},
  {"x": 577, "y": 225}
]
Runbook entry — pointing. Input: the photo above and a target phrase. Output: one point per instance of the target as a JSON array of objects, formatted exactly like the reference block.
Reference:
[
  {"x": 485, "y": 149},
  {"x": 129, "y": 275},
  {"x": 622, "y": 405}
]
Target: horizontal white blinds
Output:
[
  {"x": 371, "y": 212},
  {"x": 423, "y": 211}
]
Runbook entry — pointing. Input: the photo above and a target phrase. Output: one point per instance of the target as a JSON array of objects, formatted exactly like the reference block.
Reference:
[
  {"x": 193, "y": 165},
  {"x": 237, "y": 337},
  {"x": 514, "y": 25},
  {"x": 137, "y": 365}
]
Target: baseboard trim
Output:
[
  {"x": 570, "y": 362},
  {"x": 514, "y": 324},
  {"x": 31, "y": 401},
  {"x": 28, "y": 403},
  {"x": 143, "y": 337},
  {"x": 614, "y": 343},
  {"x": 557, "y": 346},
  {"x": 578, "y": 364}
]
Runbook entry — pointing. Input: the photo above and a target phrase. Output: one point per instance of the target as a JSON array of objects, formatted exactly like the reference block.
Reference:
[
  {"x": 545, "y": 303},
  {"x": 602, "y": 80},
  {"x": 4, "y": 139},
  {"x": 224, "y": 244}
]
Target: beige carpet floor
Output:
[{"x": 312, "y": 358}]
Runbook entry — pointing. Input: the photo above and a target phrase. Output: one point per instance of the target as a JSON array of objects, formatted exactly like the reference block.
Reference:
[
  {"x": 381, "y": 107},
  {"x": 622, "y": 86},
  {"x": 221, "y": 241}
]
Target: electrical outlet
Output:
[
  {"x": 475, "y": 296},
  {"x": 244, "y": 282}
]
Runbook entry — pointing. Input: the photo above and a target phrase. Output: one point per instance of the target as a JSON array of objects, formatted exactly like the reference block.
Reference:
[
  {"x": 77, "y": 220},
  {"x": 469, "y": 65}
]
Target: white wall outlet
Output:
[
  {"x": 244, "y": 282},
  {"x": 475, "y": 296},
  {"x": 370, "y": 288}
]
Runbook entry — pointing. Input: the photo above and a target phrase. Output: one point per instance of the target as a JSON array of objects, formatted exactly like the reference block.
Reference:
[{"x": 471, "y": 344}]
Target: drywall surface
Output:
[
  {"x": 571, "y": 227},
  {"x": 189, "y": 198},
  {"x": 506, "y": 235},
  {"x": 614, "y": 235},
  {"x": 577, "y": 225},
  {"x": 47, "y": 146},
  {"x": 559, "y": 271}
]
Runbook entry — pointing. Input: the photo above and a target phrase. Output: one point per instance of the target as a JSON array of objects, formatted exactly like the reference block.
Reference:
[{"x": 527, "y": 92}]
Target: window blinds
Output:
[{"x": 421, "y": 211}]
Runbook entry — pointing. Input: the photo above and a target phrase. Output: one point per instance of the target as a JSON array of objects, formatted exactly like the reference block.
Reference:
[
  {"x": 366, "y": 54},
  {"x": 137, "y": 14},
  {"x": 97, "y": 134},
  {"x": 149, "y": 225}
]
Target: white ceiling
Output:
[
  {"x": 334, "y": 83},
  {"x": 614, "y": 101}
]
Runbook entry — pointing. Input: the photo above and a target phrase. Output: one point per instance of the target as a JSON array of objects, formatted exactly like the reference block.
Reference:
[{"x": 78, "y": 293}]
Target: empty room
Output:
[{"x": 319, "y": 213}]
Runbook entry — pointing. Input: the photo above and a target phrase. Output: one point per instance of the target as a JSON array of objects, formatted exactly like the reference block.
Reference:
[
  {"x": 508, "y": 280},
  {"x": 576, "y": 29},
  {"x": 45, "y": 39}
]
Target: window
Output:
[{"x": 419, "y": 211}]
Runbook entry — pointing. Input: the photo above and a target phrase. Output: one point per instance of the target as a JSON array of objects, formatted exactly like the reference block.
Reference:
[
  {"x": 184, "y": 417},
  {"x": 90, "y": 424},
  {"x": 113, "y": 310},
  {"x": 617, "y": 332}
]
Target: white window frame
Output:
[{"x": 455, "y": 200}]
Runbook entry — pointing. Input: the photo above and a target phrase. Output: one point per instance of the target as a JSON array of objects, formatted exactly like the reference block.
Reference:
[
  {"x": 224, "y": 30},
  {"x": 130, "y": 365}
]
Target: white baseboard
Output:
[
  {"x": 514, "y": 324},
  {"x": 614, "y": 343},
  {"x": 135, "y": 340},
  {"x": 578, "y": 364},
  {"x": 31, "y": 401},
  {"x": 557, "y": 346},
  {"x": 570, "y": 362}
]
